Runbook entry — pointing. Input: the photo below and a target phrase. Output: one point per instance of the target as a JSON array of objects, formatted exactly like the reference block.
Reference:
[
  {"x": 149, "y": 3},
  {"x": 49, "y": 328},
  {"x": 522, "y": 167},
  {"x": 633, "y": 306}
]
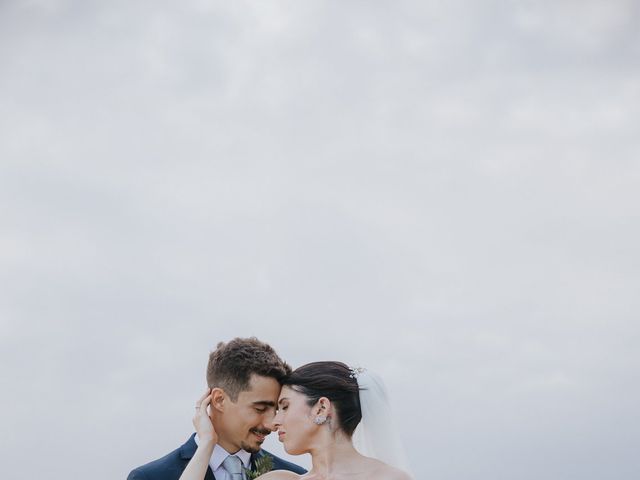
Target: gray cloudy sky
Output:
[{"x": 446, "y": 192}]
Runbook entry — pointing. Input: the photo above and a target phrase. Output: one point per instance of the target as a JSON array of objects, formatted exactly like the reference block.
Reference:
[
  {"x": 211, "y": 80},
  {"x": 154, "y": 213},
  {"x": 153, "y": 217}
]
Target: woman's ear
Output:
[
  {"x": 218, "y": 398},
  {"x": 321, "y": 411},
  {"x": 323, "y": 407}
]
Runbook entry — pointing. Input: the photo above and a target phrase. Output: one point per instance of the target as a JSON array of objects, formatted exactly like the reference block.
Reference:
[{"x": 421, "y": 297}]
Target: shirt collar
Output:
[{"x": 220, "y": 454}]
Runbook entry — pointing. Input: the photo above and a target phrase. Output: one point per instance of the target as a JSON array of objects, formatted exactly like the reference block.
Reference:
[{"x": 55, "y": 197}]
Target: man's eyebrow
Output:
[
  {"x": 282, "y": 400},
  {"x": 266, "y": 403}
]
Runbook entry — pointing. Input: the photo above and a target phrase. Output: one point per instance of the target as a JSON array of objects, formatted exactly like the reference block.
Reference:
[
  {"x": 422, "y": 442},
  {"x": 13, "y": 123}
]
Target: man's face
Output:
[{"x": 246, "y": 422}]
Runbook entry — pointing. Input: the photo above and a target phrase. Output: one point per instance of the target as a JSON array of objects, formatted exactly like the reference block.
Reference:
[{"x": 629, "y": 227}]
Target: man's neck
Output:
[{"x": 229, "y": 447}]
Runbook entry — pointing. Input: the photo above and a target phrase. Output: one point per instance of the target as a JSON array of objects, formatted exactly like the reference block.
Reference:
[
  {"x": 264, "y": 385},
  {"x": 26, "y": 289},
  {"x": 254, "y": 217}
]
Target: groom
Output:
[{"x": 244, "y": 375}]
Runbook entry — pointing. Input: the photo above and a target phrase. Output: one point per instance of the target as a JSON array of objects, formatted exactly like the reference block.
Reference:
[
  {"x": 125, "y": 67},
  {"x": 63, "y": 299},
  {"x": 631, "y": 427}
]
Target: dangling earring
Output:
[{"x": 320, "y": 419}]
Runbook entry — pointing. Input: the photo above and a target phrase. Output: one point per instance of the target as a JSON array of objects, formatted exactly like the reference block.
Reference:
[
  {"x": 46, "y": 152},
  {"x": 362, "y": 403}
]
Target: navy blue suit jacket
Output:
[{"x": 171, "y": 466}]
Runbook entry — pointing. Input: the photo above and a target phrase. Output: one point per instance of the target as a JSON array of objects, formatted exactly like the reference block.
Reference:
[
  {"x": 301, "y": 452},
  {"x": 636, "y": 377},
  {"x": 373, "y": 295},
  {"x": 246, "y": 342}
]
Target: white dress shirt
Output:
[{"x": 219, "y": 455}]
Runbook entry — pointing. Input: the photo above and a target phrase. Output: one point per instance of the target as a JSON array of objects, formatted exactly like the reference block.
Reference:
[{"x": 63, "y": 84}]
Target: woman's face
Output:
[{"x": 294, "y": 421}]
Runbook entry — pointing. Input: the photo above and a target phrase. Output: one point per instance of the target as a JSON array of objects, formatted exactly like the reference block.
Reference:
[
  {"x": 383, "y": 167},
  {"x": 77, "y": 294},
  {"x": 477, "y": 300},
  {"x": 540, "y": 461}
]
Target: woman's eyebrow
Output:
[{"x": 282, "y": 400}]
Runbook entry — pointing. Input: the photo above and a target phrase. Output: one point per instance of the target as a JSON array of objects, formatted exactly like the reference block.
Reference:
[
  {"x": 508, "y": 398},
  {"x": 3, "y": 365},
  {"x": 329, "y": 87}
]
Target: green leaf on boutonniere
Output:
[{"x": 261, "y": 466}]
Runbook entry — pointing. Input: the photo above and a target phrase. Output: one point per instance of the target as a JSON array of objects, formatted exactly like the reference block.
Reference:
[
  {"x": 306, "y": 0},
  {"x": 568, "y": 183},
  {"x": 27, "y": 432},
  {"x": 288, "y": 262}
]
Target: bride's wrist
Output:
[{"x": 207, "y": 441}]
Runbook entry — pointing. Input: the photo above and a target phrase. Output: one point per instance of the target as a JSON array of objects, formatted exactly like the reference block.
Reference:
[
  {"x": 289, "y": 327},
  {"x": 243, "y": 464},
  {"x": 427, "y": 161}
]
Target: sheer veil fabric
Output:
[{"x": 377, "y": 435}]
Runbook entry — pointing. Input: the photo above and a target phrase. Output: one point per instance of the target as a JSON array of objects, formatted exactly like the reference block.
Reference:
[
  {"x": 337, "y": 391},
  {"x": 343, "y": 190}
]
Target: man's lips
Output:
[{"x": 261, "y": 436}]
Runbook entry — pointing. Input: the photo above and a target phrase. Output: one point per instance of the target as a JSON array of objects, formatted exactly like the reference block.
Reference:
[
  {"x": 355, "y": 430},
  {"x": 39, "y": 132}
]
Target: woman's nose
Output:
[
  {"x": 275, "y": 422},
  {"x": 272, "y": 423}
]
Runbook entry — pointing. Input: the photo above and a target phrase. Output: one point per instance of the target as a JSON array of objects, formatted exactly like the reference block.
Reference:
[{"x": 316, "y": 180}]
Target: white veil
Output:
[{"x": 376, "y": 435}]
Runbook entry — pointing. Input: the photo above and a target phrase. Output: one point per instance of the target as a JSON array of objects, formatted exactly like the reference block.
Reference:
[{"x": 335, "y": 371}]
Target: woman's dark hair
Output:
[{"x": 332, "y": 380}]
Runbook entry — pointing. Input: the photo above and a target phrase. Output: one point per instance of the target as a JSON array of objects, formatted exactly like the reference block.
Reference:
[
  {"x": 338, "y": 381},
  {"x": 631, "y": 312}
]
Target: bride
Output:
[{"x": 324, "y": 409}]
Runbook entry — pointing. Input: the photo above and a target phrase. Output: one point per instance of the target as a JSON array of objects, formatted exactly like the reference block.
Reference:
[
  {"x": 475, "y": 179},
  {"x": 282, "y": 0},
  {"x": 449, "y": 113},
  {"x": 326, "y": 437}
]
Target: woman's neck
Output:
[{"x": 333, "y": 455}]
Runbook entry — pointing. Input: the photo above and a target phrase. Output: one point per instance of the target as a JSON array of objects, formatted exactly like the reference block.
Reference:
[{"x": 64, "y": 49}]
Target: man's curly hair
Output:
[{"x": 232, "y": 364}]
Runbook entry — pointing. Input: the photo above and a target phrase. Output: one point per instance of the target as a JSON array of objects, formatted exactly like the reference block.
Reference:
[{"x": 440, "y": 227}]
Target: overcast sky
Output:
[{"x": 444, "y": 191}]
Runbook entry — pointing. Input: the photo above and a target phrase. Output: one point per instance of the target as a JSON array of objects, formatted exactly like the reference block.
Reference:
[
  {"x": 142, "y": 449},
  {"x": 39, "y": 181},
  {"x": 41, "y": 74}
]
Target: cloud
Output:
[{"x": 442, "y": 191}]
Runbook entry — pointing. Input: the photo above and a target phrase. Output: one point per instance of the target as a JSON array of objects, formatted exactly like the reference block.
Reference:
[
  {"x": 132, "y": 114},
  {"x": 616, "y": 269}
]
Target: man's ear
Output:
[{"x": 218, "y": 399}]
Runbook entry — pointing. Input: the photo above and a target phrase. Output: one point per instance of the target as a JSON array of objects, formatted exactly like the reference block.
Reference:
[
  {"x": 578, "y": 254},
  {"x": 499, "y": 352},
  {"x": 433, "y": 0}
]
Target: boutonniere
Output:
[{"x": 261, "y": 466}]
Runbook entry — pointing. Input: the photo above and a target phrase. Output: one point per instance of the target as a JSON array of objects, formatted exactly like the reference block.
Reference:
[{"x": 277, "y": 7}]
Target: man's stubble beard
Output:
[
  {"x": 255, "y": 449},
  {"x": 250, "y": 448}
]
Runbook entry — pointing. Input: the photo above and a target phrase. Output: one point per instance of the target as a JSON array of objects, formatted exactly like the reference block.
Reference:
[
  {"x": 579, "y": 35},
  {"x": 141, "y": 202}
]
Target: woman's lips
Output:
[{"x": 280, "y": 435}]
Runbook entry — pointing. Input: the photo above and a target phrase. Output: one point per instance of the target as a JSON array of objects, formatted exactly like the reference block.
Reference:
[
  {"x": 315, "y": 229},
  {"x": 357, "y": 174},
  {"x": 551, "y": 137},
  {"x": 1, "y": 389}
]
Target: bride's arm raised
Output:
[{"x": 207, "y": 439}]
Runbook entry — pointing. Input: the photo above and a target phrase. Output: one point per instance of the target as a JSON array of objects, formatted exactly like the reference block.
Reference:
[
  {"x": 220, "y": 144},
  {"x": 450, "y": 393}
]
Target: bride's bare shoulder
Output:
[
  {"x": 395, "y": 474},
  {"x": 279, "y": 475},
  {"x": 382, "y": 471}
]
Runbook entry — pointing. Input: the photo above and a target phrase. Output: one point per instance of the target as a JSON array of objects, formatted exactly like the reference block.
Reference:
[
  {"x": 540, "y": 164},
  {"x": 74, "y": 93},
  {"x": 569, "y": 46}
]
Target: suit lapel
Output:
[
  {"x": 209, "y": 475},
  {"x": 254, "y": 457},
  {"x": 188, "y": 450}
]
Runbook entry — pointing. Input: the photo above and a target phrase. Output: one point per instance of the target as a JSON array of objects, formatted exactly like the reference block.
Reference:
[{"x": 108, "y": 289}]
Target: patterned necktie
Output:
[{"x": 233, "y": 465}]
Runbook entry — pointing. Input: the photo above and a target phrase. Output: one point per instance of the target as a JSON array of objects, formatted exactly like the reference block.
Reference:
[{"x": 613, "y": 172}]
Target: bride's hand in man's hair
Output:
[{"x": 202, "y": 422}]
